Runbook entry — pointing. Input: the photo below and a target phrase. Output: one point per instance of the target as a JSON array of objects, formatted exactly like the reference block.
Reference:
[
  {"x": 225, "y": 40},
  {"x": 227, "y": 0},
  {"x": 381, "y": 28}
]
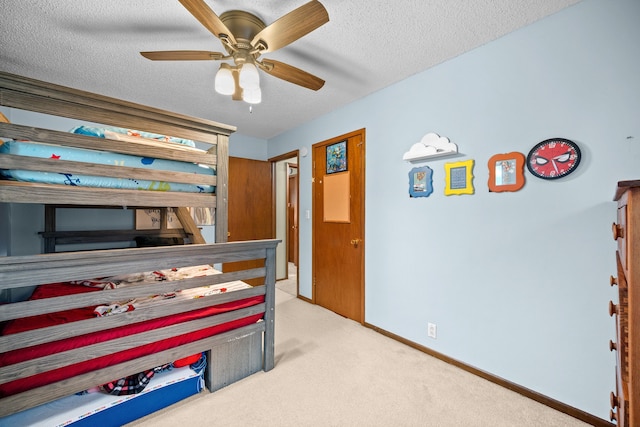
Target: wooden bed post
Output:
[
  {"x": 240, "y": 357},
  {"x": 222, "y": 189},
  {"x": 269, "y": 315}
]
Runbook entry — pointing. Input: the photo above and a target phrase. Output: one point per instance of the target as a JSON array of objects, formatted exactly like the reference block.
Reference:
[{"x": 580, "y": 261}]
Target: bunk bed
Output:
[{"x": 207, "y": 315}]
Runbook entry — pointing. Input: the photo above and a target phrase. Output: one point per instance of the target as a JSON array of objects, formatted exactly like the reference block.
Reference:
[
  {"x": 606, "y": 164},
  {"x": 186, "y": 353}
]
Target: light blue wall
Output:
[
  {"x": 517, "y": 283},
  {"x": 247, "y": 147}
]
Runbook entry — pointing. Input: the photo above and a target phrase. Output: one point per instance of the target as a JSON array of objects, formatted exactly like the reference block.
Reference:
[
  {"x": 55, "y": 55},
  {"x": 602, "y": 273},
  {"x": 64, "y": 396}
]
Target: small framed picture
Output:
[
  {"x": 506, "y": 172},
  {"x": 337, "y": 157},
  {"x": 420, "y": 182},
  {"x": 458, "y": 178},
  {"x": 156, "y": 219}
]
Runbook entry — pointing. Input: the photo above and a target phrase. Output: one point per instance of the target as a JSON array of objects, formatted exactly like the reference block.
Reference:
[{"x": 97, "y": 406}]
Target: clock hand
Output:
[{"x": 555, "y": 166}]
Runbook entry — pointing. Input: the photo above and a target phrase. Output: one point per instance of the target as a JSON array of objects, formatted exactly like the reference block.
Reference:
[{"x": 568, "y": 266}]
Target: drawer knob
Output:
[
  {"x": 613, "y": 416},
  {"x": 613, "y": 281},
  {"x": 614, "y": 400},
  {"x": 612, "y": 345},
  {"x": 613, "y": 309},
  {"x": 617, "y": 231}
]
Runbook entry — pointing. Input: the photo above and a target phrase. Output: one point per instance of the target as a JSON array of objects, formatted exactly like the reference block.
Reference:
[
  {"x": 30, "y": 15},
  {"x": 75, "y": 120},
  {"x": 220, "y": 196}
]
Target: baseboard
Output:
[
  {"x": 305, "y": 299},
  {"x": 545, "y": 400}
]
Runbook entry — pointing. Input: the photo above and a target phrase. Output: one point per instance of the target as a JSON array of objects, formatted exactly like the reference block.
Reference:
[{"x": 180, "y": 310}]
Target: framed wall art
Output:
[
  {"x": 337, "y": 157},
  {"x": 458, "y": 178},
  {"x": 420, "y": 182},
  {"x": 155, "y": 219},
  {"x": 506, "y": 172}
]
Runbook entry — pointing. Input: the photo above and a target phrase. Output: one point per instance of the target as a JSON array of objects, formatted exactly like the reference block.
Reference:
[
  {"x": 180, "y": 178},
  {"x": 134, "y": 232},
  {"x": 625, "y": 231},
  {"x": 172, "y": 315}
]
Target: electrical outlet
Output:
[{"x": 431, "y": 330}]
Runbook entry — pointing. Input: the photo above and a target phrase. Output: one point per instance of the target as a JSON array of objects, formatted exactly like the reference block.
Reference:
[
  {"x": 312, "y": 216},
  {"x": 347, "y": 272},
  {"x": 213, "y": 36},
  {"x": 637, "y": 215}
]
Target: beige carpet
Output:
[
  {"x": 290, "y": 284},
  {"x": 331, "y": 371}
]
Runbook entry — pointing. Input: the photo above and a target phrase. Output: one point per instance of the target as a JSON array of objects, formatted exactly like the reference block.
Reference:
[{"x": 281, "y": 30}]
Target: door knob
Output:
[
  {"x": 355, "y": 242},
  {"x": 617, "y": 231}
]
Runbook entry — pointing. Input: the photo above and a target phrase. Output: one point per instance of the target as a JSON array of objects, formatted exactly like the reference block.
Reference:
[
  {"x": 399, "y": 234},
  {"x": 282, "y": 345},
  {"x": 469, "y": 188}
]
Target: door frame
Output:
[
  {"x": 293, "y": 237},
  {"x": 273, "y": 160}
]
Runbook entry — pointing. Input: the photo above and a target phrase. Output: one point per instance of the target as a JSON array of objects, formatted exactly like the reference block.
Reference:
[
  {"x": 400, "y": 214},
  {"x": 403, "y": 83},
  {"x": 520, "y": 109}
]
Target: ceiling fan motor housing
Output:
[{"x": 243, "y": 25}]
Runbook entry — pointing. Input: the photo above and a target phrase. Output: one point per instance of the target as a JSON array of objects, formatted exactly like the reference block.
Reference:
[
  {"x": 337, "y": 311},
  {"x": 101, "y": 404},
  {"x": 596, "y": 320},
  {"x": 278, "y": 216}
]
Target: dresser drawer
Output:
[{"x": 619, "y": 404}]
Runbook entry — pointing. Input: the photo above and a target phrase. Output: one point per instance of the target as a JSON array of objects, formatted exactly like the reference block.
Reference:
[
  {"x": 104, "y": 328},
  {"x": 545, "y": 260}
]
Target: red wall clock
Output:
[{"x": 553, "y": 158}]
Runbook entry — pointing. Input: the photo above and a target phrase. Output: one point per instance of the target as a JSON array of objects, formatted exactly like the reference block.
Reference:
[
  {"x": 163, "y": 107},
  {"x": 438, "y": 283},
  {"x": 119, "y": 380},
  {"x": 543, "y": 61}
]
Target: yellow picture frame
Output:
[{"x": 458, "y": 178}]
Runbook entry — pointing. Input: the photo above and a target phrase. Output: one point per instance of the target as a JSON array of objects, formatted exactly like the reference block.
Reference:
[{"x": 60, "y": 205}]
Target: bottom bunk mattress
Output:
[
  {"x": 98, "y": 285},
  {"x": 101, "y": 409}
]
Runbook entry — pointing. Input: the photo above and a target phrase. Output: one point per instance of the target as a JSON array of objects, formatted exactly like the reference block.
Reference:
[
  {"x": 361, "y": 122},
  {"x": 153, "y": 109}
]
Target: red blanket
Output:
[{"x": 51, "y": 319}]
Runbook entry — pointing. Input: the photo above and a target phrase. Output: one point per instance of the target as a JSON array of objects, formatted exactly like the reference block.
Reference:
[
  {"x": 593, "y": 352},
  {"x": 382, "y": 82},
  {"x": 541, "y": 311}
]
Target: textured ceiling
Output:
[{"x": 366, "y": 46}]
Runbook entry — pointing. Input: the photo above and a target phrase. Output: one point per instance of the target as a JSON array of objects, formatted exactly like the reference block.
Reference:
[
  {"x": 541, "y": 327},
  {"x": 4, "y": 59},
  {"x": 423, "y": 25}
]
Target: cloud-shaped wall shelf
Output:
[{"x": 430, "y": 146}]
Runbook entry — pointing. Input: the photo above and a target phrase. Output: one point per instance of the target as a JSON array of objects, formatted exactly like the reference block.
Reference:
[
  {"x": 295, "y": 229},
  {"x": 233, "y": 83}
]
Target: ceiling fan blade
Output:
[
  {"x": 208, "y": 18},
  {"x": 182, "y": 55},
  {"x": 291, "y": 27},
  {"x": 291, "y": 74}
]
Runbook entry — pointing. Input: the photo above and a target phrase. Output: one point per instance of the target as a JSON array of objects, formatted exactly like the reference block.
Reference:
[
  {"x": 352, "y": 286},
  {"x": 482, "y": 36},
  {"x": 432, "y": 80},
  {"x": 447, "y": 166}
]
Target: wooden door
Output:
[
  {"x": 250, "y": 207},
  {"x": 338, "y": 225},
  {"x": 292, "y": 216}
]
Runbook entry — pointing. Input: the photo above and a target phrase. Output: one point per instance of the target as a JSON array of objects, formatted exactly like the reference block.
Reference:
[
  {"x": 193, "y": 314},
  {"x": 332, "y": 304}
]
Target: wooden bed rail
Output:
[{"x": 30, "y": 270}]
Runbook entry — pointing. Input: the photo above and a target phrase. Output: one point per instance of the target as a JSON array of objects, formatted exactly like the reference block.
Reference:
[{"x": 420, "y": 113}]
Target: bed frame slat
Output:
[
  {"x": 32, "y": 270},
  {"x": 27, "y": 192},
  {"x": 52, "y": 305}
]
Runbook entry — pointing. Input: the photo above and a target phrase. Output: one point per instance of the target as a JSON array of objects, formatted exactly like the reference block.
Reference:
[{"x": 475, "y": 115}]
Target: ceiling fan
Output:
[{"x": 245, "y": 38}]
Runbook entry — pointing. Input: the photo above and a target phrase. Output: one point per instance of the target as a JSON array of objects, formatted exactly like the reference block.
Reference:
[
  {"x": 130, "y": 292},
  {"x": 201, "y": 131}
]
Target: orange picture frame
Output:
[{"x": 506, "y": 172}]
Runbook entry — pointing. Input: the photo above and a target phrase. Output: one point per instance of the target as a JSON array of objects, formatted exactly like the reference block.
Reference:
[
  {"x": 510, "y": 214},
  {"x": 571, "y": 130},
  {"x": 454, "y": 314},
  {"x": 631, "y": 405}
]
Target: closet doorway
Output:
[
  {"x": 250, "y": 208},
  {"x": 285, "y": 212}
]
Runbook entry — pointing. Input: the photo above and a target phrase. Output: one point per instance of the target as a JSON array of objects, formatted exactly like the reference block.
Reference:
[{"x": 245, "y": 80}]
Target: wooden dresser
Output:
[{"x": 625, "y": 400}]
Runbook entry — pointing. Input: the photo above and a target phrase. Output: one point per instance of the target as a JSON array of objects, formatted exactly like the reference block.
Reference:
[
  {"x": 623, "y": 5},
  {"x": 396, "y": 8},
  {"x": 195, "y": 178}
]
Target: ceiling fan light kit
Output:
[
  {"x": 252, "y": 96},
  {"x": 245, "y": 37},
  {"x": 225, "y": 82},
  {"x": 242, "y": 81},
  {"x": 249, "y": 77}
]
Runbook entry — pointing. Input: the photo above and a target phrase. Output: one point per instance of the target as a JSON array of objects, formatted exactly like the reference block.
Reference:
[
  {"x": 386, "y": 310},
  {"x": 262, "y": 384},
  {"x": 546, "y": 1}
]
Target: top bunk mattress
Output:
[{"x": 58, "y": 152}]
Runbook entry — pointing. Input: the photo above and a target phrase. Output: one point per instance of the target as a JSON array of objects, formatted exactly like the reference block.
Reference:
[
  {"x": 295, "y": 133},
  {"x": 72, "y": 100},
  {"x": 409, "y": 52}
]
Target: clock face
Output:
[{"x": 553, "y": 158}]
